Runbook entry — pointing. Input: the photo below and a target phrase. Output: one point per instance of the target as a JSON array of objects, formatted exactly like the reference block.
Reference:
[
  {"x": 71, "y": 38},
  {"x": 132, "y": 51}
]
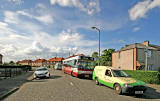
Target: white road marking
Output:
[{"x": 71, "y": 83}]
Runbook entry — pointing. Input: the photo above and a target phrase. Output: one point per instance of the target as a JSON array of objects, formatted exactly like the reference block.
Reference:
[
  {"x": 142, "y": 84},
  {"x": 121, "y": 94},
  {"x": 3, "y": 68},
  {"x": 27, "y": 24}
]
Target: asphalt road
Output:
[{"x": 63, "y": 87}]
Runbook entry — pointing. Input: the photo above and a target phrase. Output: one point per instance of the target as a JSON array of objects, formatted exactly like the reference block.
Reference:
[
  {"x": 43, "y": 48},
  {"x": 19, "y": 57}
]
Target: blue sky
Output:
[{"x": 31, "y": 29}]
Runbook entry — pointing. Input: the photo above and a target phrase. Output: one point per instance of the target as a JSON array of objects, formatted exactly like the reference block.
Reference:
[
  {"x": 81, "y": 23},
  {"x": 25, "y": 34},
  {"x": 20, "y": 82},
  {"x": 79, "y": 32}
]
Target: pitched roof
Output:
[
  {"x": 140, "y": 45},
  {"x": 39, "y": 60},
  {"x": 75, "y": 55},
  {"x": 137, "y": 45},
  {"x": 24, "y": 61},
  {"x": 56, "y": 59}
]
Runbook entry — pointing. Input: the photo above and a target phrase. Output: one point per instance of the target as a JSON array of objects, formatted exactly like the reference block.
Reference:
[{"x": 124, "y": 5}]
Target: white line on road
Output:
[{"x": 71, "y": 83}]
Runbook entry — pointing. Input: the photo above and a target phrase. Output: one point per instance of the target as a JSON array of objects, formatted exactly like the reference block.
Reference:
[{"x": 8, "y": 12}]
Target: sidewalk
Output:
[{"x": 12, "y": 84}]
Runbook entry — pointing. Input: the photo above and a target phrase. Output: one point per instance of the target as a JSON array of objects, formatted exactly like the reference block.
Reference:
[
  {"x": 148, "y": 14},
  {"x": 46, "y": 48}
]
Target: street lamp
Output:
[{"x": 99, "y": 43}]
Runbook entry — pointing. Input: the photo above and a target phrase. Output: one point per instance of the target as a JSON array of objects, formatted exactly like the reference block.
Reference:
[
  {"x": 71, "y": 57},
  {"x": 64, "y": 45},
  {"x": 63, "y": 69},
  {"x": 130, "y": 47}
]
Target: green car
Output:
[{"x": 118, "y": 80}]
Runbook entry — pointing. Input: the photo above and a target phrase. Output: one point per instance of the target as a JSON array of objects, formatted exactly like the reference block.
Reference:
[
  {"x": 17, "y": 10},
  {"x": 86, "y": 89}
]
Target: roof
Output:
[
  {"x": 39, "y": 60},
  {"x": 24, "y": 61},
  {"x": 56, "y": 59},
  {"x": 140, "y": 45},
  {"x": 75, "y": 55}
]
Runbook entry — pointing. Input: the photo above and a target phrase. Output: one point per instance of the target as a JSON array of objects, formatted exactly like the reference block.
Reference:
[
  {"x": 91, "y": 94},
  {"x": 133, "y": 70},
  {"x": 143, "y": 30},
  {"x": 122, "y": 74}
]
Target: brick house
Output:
[
  {"x": 1, "y": 56},
  {"x": 55, "y": 60},
  {"x": 133, "y": 57},
  {"x": 39, "y": 62},
  {"x": 25, "y": 62}
]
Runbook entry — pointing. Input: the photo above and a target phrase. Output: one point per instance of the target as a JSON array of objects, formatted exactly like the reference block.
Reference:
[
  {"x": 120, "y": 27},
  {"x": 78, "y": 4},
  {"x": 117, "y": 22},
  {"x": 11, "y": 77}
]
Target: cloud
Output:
[
  {"x": 141, "y": 8},
  {"x": 45, "y": 18},
  {"x": 16, "y": 46},
  {"x": 11, "y": 17},
  {"x": 136, "y": 29},
  {"x": 90, "y": 7},
  {"x": 75, "y": 39},
  {"x": 16, "y": 1},
  {"x": 42, "y": 15}
]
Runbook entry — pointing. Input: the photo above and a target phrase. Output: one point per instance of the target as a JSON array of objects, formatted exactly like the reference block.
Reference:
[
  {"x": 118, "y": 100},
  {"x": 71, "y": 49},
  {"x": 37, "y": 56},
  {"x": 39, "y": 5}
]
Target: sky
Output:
[{"x": 32, "y": 29}]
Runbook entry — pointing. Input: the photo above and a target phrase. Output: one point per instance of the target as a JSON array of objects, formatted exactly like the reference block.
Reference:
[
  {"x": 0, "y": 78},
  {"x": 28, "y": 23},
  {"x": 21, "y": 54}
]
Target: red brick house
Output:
[
  {"x": 25, "y": 62},
  {"x": 55, "y": 60},
  {"x": 39, "y": 62}
]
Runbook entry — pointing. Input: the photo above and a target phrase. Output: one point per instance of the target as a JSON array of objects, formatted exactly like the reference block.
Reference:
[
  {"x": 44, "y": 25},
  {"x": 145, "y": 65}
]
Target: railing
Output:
[{"x": 10, "y": 71}]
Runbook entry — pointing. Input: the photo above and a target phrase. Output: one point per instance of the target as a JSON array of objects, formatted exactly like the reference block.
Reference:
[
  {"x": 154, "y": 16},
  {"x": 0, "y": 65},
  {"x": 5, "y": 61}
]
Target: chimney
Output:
[{"x": 146, "y": 43}]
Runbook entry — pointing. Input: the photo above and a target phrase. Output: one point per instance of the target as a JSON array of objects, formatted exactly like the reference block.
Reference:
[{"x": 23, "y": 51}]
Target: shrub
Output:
[{"x": 152, "y": 77}]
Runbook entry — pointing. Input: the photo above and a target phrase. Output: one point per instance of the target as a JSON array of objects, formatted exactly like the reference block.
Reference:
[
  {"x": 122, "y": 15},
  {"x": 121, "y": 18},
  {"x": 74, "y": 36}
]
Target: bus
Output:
[{"x": 79, "y": 66}]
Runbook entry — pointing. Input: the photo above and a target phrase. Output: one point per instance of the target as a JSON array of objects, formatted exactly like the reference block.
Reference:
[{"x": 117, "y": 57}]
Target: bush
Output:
[{"x": 151, "y": 77}]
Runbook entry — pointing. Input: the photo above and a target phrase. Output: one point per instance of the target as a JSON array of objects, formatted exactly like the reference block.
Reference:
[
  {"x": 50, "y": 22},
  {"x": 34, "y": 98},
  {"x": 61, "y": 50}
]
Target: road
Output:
[{"x": 63, "y": 87}]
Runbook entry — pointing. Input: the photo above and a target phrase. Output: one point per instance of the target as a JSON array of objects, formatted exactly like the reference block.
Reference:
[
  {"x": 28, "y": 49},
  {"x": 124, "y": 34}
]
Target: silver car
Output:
[{"x": 41, "y": 72}]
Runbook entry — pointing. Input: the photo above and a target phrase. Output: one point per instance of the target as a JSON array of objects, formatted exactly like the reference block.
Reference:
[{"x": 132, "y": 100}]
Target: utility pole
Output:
[{"x": 99, "y": 44}]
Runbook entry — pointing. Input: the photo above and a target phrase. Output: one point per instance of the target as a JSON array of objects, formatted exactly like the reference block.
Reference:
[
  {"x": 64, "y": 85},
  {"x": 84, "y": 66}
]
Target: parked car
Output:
[
  {"x": 118, "y": 80},
  {"x": 58, "y": 66},
  {"x": 41, "y": 72}
]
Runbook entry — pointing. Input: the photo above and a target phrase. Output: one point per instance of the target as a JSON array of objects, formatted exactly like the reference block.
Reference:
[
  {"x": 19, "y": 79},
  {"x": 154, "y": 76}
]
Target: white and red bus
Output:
[{"x": 79, "y": 65}]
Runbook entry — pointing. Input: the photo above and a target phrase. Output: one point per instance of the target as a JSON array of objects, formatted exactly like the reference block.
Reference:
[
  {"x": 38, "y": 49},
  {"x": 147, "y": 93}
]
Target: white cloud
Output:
[
  {"x": 45, "y": 18},
  {"x": 141, "y": 8},
  {"x": 15, "y": 46},
  {"x": 42, "y": 15},
  {"x": 11, "y": 17},
  {"x": 67, "y": 38},
  {"x": 16, "y": 1},
  {"x": 136, "y": 29},
  {"x": 90, "y": 7}
]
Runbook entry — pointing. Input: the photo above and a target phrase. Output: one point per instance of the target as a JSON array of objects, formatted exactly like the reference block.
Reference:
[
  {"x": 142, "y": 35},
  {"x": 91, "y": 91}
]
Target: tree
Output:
[
  {"x": 95, "y": 56},
  {"x": 106, "y": 57},
  {"x": 11, "y": 62}
]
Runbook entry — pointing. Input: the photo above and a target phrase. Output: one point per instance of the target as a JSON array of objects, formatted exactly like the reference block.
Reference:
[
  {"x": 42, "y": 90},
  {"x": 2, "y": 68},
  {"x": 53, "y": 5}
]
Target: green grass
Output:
[{"x": 151, "y": 77}]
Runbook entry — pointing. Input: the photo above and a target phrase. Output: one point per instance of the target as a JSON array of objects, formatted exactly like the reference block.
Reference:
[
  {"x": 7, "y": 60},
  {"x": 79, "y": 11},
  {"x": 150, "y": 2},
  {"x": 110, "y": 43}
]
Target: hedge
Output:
[{"x": 151, "y": 77}]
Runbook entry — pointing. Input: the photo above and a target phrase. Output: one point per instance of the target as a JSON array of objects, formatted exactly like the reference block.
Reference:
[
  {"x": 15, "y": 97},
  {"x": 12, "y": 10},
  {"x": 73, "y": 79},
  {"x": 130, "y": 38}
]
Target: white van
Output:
[
  {"x": 58, "y": 66},
  {"x": 118, "y": 80}
]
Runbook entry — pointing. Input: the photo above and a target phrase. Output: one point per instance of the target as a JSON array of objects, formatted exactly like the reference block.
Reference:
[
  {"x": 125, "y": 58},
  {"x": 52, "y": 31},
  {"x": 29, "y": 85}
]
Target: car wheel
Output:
[
  {"x": 118, "y": 89},
  {"x": 34, "y": 77},
  {"x": 97, "y": 82},
  {"x": 49, "y": 76}
]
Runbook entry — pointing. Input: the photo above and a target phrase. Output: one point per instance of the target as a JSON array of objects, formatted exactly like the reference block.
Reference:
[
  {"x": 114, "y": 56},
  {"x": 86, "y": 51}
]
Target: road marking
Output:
[{"x": 71, "y": 83}]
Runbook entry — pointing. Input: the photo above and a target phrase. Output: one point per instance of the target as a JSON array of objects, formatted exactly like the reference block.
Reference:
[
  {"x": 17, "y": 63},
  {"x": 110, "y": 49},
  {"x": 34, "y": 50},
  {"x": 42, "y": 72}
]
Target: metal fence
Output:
[{"x": 10, "y": 71}]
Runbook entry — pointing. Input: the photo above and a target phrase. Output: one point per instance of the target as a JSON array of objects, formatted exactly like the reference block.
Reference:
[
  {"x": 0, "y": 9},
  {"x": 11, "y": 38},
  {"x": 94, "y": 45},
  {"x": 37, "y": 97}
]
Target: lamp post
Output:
[{"x": 99, "y": 44}]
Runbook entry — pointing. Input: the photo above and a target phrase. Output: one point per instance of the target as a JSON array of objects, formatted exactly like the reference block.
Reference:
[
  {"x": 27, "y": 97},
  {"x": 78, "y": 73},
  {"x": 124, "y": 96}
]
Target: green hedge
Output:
[{"x": 152, "y": 77}]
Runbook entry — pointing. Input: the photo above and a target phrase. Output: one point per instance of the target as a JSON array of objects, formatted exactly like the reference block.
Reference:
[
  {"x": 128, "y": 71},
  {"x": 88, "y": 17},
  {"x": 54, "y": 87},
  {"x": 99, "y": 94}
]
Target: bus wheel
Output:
[
  {"x": 96, "y": 80},
  {"x": 72, "y": 74},
  {"x": 118, "y": 89}
]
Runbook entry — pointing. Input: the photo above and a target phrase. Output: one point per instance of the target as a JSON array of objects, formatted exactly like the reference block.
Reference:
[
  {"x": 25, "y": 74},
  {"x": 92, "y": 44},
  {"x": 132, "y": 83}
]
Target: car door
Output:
[{"x": 108, "y": 78}]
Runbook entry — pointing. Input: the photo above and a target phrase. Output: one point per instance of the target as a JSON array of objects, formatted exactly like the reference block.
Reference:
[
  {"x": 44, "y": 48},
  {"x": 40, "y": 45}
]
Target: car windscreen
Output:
[
  {"x": 119, "y": 73},
  {"x": 41, "y": 69}
]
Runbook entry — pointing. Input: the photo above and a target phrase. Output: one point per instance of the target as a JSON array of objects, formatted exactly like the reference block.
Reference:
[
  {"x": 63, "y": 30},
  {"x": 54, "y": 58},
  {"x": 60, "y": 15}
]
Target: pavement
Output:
[
  {"x": 63, "y": 87},
  {"x": 10, "y": 85}
]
